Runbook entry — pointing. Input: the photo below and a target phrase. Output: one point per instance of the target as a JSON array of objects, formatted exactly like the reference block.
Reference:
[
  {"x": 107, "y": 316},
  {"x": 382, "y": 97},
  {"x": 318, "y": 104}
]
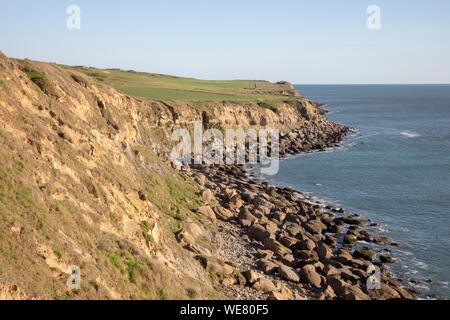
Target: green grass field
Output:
[{"x": 162, "y": 87}]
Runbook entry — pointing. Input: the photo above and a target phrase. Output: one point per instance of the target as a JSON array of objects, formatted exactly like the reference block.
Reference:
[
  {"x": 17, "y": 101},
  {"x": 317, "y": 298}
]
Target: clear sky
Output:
[{"x": 323, "y": 41}]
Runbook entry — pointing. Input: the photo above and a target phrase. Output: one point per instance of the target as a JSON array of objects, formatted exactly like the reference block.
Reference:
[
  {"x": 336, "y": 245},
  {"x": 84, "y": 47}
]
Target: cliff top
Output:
[{"x": 165, "y": 87}]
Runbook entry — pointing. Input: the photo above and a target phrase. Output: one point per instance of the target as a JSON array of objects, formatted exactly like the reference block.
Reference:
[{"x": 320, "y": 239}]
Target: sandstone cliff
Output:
[{"x": 83, "y": 181}]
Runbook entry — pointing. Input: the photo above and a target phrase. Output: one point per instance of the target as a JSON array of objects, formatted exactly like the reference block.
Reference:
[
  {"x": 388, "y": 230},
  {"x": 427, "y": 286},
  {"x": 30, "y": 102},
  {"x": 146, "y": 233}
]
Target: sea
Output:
[{"x": 394, "y": 170}]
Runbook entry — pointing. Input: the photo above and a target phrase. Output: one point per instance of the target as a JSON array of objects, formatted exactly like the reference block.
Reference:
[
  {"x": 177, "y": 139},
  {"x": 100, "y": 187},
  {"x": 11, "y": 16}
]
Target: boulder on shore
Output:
[
  {"x": 288, "y": 274},
  {"x": 310, "y": 276},
  {"x": 264, "y": 285}
]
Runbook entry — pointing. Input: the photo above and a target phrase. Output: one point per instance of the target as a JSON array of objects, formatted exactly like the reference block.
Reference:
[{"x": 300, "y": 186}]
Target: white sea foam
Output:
[
  {"x": 421, "y": 287},
  {"x": 421, "y": 265},
  {"x": 405, "y": 253},
  {"x": 410, "y": 134}
]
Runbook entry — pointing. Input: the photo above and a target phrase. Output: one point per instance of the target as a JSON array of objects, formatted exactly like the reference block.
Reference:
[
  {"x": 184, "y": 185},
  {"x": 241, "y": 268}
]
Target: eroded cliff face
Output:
[
  {"x": 84, "y": 181},
  {"x": 284, "y": 114},
  {"x": 81, "y": 185}
]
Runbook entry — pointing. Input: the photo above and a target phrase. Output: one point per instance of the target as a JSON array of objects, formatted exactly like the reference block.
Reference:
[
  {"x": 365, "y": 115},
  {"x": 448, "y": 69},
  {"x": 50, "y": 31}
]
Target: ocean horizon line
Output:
[{"x": 371, "y": 84}]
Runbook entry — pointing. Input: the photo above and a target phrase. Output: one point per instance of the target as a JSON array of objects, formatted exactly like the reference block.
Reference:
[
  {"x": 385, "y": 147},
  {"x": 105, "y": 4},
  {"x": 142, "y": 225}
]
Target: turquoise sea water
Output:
[{"x": 395, "y": 170}]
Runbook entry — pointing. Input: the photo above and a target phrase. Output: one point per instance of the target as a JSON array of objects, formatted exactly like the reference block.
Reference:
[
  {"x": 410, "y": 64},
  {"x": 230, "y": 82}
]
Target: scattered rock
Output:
[
  {"x": 208, "y": 197},
  {"x": 329, "y": 293},
  {"x": 208, "y": 213},
  {"x": 271, "y": 227},
  {"x": 200, "y": 179},
  {"x": 315, "y": 226},
  {"x": 289, "y": 242},
  {"x": 276, "y": 247},
  {"x": 193, "y": 229},
  {"x": 265, "y": 254},
  {"x": 264, "y": 285},
  {"x": 354, "y": 293},
  {"x": 246, "y": 219},
  {"x": 386, "y": 293},
  {"x": 258, "y": 232},
  {"x": 310, "y": 276},
  {"x": 308, "y": 257},
  {"x": 386, "y": 259},
  {"x": 350, "y": 238},
  {"x": 235, "y": 203},
  {"x": 289, "y": 260},
  {"x": 251, "y": 276},
  {"x": 347, "y": 275},
  {"x": 349, "y": 221},
  {"x": 329, "y": 270},
  {"x": 279, "y": 215},
  {"x": 406, "y": 293},
  {"x": 277, "y": 296},
  {"x": 283, "y": 295},
  {"x": 229, "y": 281},
  {"x": 222, "y": 213},
  {"x": 337, "y": 285},
  {"x": 324, "y": 251},
  {"x": 344, "y": 257},
  {"x": 307, "y": 245},
  {"x": 364, "y": 253},
  {"x": 288, "y": 274},
  {"x": 380, "y": 240},
  {"x": 267, "y": 266},
  {"x": 215, "y": 265}
]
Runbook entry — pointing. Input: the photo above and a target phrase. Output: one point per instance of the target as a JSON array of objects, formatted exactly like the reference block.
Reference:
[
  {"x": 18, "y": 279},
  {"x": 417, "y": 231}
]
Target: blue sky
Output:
[{"x": 324, "y": 41}]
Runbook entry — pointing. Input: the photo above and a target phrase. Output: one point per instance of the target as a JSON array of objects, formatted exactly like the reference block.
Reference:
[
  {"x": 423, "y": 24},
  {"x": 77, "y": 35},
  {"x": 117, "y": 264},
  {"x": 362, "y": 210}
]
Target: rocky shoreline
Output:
[
  {"x": 273, "y": 243},
  {"x": 87, "y": 182}
]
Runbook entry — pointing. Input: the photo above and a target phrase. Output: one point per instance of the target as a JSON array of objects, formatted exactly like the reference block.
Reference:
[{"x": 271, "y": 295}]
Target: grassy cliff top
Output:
[{"x": 163, "y": 87}]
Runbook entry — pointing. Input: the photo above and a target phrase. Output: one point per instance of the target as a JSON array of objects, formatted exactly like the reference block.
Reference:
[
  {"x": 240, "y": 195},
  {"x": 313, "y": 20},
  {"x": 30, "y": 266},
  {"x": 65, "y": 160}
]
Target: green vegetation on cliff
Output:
[{"x": 162, "y": 87}]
